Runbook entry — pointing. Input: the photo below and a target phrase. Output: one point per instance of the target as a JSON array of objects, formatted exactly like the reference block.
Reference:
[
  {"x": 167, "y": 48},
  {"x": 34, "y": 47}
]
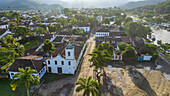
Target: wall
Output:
[
  {"x": 66, "y": 68},
  {"x": 86, "y": 29},
  {"x": 117, "y": 57},
  {"x": 102, "y": 34}
]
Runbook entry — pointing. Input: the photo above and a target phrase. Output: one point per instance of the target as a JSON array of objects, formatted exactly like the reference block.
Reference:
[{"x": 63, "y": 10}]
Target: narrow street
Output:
[{"x": 66, "y": 87}]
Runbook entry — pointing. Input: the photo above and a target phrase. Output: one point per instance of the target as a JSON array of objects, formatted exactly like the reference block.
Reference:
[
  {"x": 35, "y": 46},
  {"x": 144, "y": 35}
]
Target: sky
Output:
[{"x": 88, "y": 3}]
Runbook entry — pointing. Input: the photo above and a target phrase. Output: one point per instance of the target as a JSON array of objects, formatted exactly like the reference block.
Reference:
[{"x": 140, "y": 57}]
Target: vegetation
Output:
[
  {"x": 129, "y": 53},
  {"x": 10, "y": 42},
  {"x": 136, "y": 29},
  {"x": 122, "y": 46},
  {"x": 7, "y": 56},
  {"x": 100, "y": 57},
  {"x": 48, "y": 46},
  {"x": 22, "y": 32},
  {"x": 6, "y": 89},
  {"x": 30, "y": 44},
  {"x": 24, "y": 76},
  {"x": 161, "y": 8},
  {"x": 88, "y": 85},
  {"x": 148, "y": 49},
  {"x": 39, "y": 31},
  {"x": 106, "y": 21}
]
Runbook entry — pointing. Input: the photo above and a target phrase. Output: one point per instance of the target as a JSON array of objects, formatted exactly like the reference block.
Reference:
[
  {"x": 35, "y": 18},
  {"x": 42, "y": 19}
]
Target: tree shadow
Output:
[
  {"x": 108, "y": 87},
  {"x": 141, "y": 82}
]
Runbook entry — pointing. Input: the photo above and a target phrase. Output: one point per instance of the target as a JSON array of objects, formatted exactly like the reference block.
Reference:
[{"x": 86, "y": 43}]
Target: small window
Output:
[
  {"x": 12, "y": 74},
  {"x": 68, "y": 53},
  {"x": 69, "y": 63},
  {"x": 55, "y": 62},
  {"x": 62, "y": 62},
  {"x": 48, "y": 61}
]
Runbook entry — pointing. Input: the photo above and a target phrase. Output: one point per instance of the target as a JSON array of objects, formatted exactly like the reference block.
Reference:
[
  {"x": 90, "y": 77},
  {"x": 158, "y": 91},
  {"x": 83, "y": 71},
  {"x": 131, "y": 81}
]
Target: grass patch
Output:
[
  {"x": 53, "y": 77},
  {"x": 30, "y": 44},
  {"x": 6, "y": 90}
]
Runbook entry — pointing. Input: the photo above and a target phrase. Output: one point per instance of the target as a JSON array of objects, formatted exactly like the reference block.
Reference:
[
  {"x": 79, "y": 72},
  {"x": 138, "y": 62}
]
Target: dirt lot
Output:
[
  {"x": 134, "y": 82},
  {"x": 66, "y": 87}
]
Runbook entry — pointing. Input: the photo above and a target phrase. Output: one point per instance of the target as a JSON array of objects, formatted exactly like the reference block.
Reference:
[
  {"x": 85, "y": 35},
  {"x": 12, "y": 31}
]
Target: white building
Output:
[
  {"x": 4, "y": 32},
  {"x": 86, "y": 27},
  {"x": 102, "y": 34},
  {"x": 38, "y": 65},
  {"x": 66, "y": 60}
]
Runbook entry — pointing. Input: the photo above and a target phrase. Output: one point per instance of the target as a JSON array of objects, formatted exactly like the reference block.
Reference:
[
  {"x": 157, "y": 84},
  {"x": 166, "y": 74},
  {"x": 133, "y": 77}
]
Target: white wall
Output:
[
  {"x": 3, "y": 26},
  {"x": 117, "y": 57},
  {"x": 7, "y": 32},
  {"x": 40, "y": 74},
  {"x": 102, "y": 34},
  {"x": 147, "y": 58},
  {"x": 86, "y": 29},
  {"x": 66, "y": 68}
]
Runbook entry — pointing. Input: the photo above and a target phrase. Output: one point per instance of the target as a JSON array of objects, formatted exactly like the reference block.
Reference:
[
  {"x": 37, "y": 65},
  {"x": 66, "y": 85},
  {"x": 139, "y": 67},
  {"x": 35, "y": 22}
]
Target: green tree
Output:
[
  {"x": 22, "y": 32},
  {"x": 63, "y": 21},
  {"x": 39, "y": 30},
  {"x": 121, "y": 28},
  {"x": 10, "y": 42},
  {"x": 164, "y": 47},
  {"x": 136, "y": 29},
  {"x": 24, "y": 76},
  {"x": 106, "y": 21},
  {"x": 73, "y": 21},
  {"x": 101, "y": 56},
  {"x": 93, "y": 21},
  {"x": 58, "y": 26},
  {"x": 44, "y": 26},
  {"x": 122, "y": 46},
  {"x": 16, "y": 15},
  {"x": 48, "y": 46},
  {"x": 36, "y": 19},
  {"x": 88, "y": 85},
  {"x": 128, "y": 19},
  {"x": 52, "y": 28},
  {"x": 148, "y": 49},
  {"x": 7, "y": 55},
  {"x": 129, "y": 53},
  {"x": 66, "y": 10}
]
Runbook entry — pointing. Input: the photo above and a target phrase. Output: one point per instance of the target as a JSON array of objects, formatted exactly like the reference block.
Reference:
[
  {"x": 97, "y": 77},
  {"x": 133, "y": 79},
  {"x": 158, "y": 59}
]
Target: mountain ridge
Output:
[
  {"x": 26, "y": 4},
  {"x": 131, "y": 5}
]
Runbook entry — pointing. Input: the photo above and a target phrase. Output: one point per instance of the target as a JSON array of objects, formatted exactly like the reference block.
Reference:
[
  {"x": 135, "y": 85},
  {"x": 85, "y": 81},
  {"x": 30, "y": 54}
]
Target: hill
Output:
[
  {"x": 161, "y": 8},
  {"x": 132, "y": 5},
  {"x": 26, "y": 4}
]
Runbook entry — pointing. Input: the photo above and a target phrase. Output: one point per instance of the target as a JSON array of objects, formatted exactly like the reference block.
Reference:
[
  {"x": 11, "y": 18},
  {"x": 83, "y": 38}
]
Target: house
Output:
[
  {"x": 143, "y": 57},
  {"x": 102, "y": 33},
  {"x": 65, "y": 58},
  {"x": 3, "y": 25},
  {"x": 28, "y": 61},
  {"x": 84, "y": 26},
  {"x": 4, "y": 32}
]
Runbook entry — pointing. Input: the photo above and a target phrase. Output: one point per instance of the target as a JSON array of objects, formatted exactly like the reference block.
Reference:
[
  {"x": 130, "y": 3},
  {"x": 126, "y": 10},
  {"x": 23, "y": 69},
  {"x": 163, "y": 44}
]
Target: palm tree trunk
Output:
[{"x": 28, "y": 93}]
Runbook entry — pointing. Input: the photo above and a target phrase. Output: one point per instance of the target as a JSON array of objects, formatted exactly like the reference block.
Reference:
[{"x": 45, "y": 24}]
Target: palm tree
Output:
[
  {"x": 88, "y": 85},
  {"x": 24, "y": 76}
]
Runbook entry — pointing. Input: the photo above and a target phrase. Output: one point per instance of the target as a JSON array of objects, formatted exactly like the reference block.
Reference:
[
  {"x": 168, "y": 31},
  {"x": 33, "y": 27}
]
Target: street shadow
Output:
[
  {"x": 141, "y": 82},
  {"x": 109, "y": 87}
]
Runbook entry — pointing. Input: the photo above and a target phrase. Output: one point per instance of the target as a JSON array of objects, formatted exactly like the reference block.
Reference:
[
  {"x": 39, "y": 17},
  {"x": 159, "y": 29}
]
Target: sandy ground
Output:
[
  {"x": 66, "y": 87},
  {"x": 136, "y": 82}
]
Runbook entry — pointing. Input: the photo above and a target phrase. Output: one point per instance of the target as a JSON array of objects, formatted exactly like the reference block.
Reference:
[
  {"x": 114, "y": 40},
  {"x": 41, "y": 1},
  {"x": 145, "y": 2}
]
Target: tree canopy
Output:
[
  {"x": 106, "y": 21},
  {"x": 7, "y": 55},
  {"x": 48, "y": 46},
  {"x": 136, "y": 29}
]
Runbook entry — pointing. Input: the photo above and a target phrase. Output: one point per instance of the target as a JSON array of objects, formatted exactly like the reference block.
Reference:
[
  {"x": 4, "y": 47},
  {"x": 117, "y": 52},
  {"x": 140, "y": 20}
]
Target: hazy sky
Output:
[{"x": 88, "y": 3}]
